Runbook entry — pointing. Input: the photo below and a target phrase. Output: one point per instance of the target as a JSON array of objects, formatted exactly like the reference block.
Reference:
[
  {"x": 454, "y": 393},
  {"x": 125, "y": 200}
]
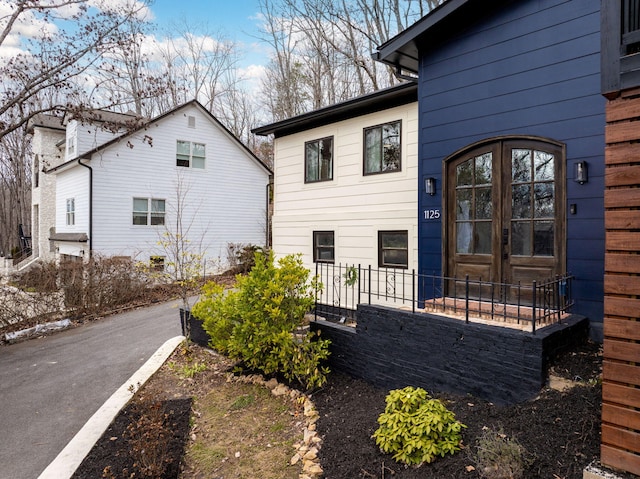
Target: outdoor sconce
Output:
[
  {"x": 581, "y": 174},
  {"x": 430, "y": 186}
]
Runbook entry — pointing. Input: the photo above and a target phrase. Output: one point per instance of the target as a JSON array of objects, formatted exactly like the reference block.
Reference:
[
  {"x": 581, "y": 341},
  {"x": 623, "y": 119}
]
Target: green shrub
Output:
[
  {"x": 416, "y": 428},
  {"x": 258, "y": 321}
]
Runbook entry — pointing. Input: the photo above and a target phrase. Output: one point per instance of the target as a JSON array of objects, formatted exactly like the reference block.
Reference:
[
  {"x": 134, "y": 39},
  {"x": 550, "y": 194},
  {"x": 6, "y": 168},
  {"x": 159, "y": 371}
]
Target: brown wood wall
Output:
[{"x": 620, "y": 447}]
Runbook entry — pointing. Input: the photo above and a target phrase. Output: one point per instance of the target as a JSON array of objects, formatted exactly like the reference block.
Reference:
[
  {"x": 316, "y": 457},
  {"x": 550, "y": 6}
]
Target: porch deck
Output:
[{"x": 522, "y": 307}]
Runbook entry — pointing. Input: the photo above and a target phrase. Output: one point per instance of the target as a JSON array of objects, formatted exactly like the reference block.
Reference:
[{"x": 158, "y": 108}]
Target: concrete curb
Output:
[{"x": 66, "y": 463}]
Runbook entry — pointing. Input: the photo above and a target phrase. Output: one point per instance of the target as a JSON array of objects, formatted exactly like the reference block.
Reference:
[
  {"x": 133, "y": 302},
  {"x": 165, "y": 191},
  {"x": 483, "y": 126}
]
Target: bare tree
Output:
[
  {"x": 322, "y": 49},
  {"x": 129, "y": 73},
  {"x": 283, "y": 86},
  {"x": 50, "y": 54},
  {"x": 15, "y": 189},
  {"x": 56, "y": 59}
]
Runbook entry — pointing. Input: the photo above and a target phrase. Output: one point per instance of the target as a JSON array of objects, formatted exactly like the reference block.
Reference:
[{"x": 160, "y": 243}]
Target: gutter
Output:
[
  {"x": 90, "y": 205},
  {"x": 268, "y": 216}
]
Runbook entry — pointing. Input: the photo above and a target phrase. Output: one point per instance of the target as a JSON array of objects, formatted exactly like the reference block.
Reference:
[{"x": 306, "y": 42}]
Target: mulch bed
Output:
[
  {"x": 560, "y": 431},
  {"x": 146, "y": 439}
]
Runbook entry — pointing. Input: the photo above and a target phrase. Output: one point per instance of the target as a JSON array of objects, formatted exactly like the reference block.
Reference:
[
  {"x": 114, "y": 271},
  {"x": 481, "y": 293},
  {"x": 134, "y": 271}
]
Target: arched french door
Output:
[{"x": 505, "y": 203}]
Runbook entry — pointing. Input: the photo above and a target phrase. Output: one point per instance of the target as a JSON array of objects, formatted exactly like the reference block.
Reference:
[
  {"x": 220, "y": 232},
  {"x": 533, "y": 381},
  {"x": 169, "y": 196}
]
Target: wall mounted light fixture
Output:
[
  {"x": 430, "y": 186},
  {"x": 581, "y": 172}
]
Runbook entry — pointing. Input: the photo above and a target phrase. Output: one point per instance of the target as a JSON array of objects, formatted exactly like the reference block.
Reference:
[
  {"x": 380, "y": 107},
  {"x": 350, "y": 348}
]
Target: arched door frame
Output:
[{"x": 523, "y": 268}]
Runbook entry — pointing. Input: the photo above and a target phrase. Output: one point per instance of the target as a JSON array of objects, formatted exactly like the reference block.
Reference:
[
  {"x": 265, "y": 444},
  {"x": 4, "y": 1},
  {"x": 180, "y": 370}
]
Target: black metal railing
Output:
[
  {"x": 346, "y": 286},
  {"x": 630, "y": 20}
]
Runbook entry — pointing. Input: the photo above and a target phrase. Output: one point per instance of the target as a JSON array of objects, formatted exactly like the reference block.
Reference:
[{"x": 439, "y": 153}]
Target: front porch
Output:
[
  {"x": 395, "y": 328},
  {"x": 518, "y": 306}
]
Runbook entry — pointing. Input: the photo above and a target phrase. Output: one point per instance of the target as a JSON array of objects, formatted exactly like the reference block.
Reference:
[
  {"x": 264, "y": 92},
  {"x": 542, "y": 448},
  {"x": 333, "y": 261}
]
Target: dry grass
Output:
[
  {"x": 243, "y": 431},
  {"x": 239, "y": 430}
]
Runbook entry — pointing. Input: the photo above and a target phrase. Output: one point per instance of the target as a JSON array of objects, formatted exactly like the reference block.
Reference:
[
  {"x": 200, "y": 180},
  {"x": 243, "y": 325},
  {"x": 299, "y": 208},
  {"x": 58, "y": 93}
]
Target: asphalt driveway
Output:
[{"x": 50, "y": 387}]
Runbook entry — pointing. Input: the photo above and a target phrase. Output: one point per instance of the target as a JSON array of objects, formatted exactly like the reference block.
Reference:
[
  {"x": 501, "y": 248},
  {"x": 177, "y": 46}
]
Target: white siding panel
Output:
[
  {"x": 72, "y": 183},
  {"x": 352, "y": 205},
  {"x": 225, "y": 202}
]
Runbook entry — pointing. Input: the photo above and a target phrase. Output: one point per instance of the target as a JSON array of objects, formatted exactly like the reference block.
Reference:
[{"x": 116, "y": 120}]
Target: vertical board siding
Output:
[
  {"x": 224, "y": 203},
  {"x": 621, "y": 370},
  {"x": 355, "y": 207},
  {"x": 528, "y": 68}
]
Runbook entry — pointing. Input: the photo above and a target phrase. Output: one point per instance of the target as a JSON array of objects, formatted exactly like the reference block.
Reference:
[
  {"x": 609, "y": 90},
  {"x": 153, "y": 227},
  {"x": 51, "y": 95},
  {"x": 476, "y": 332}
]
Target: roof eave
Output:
[
  {"x": 376, "y": 101},
  {"x": 396, "y": 51}
]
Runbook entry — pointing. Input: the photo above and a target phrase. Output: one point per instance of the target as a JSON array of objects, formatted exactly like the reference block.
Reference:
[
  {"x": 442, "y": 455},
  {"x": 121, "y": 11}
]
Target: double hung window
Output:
[
  {"x": 393, "y": 249},
  {"x": 190, "y": 154},
  {"x": 148, "y": 211},
  {"x": 323, "y": 247},
  {"x": 71, "y": 211}
]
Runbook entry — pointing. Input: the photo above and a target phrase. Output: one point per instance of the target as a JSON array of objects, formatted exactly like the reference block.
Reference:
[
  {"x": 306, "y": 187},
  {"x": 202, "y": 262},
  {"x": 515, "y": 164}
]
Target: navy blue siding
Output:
[{"x": 531, "y": 68}]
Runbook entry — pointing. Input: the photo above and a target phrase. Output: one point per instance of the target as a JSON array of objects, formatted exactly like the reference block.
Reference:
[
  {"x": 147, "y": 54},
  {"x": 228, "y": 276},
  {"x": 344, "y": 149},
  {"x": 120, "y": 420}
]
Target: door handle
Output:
[{"x": 505, "y": 242}]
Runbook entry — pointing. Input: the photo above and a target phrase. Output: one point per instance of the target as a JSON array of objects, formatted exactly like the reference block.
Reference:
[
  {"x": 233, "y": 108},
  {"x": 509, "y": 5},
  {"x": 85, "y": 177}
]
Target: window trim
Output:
[
  {"x": 71, "y": 212},
  {"x": 364, "y": 148},
  {"x": 189, "y": 161},
  {"x": 149, "y": 212},
  {"x": 316, "y": 258},
  {"x": 318, "y": 140},
  {"x": 381, "y": 263}
]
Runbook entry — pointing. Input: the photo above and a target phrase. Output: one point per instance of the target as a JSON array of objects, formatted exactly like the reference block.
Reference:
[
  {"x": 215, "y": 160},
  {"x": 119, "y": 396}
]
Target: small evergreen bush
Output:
[
  {"x": 416, "y": 428},
  {"x": 258, "y": 321}
]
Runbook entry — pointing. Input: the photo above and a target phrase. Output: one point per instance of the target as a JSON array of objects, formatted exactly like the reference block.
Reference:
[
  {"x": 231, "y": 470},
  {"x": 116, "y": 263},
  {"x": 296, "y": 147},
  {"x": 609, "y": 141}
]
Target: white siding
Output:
[
  {"x": 225, "y": 201},
  {"x": 73, "y": 183},
  {"x": 352, "y": 205},
  {"x": 86, "y": 137}
]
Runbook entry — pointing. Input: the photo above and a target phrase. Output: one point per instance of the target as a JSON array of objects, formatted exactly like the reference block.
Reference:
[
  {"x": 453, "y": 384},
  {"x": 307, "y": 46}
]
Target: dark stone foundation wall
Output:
[{"x": 392, "y": 349}]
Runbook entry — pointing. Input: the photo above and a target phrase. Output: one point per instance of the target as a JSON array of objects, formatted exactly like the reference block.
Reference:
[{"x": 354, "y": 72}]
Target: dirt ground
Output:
[{"x": 559, "y": 431}]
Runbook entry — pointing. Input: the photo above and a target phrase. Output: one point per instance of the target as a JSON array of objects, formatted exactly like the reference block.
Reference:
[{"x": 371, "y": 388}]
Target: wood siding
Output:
[
  {"x": 352, "y": 205},
  {"x": 531, "y": 68},
  {"x": 621, "y": 368}
]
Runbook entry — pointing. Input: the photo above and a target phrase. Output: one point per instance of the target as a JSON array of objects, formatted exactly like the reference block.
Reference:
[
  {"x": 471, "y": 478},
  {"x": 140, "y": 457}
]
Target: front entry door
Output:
[{"x": 505, "y": 212}]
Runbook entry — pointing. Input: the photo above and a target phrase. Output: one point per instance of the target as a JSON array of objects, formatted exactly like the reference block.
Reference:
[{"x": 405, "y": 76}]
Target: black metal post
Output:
[
  {"x": 466, "y": 298},
  {"x": 533, "y": 309}
]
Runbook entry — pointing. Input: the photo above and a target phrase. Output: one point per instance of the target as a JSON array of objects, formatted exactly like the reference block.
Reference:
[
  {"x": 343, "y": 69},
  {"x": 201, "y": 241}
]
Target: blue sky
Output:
[{"x": 236, "y": 19}]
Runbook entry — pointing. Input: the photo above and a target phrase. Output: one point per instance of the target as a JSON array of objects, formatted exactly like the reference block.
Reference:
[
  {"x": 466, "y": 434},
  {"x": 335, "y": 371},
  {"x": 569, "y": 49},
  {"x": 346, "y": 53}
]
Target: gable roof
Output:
[
  {"x": 46, "y": 120},
  {"x": 378, "y": 100},
  {"x": 142, "y": 125},
  {"x": 402, "y": 51},
  {"x": 102, "y": 116}
]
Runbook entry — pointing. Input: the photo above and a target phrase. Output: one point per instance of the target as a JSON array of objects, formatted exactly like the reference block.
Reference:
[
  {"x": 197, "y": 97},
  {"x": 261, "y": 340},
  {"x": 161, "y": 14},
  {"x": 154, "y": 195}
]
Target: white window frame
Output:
[
  {"x": 152, "y": 214},
  {"x": 71, "y": 212},
  {"x": 192, "y": 159}
]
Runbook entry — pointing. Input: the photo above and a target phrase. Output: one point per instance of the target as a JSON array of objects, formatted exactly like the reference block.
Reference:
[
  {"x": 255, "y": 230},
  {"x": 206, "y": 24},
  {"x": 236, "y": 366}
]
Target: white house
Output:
[
  {"x": 117, "y": 193},
  {"x": 345, "y": 181}
]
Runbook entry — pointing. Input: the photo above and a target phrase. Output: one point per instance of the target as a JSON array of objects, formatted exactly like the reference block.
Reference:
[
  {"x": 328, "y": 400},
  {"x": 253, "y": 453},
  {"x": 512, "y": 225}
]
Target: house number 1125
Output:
[{"x": 431, "y": 214}]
